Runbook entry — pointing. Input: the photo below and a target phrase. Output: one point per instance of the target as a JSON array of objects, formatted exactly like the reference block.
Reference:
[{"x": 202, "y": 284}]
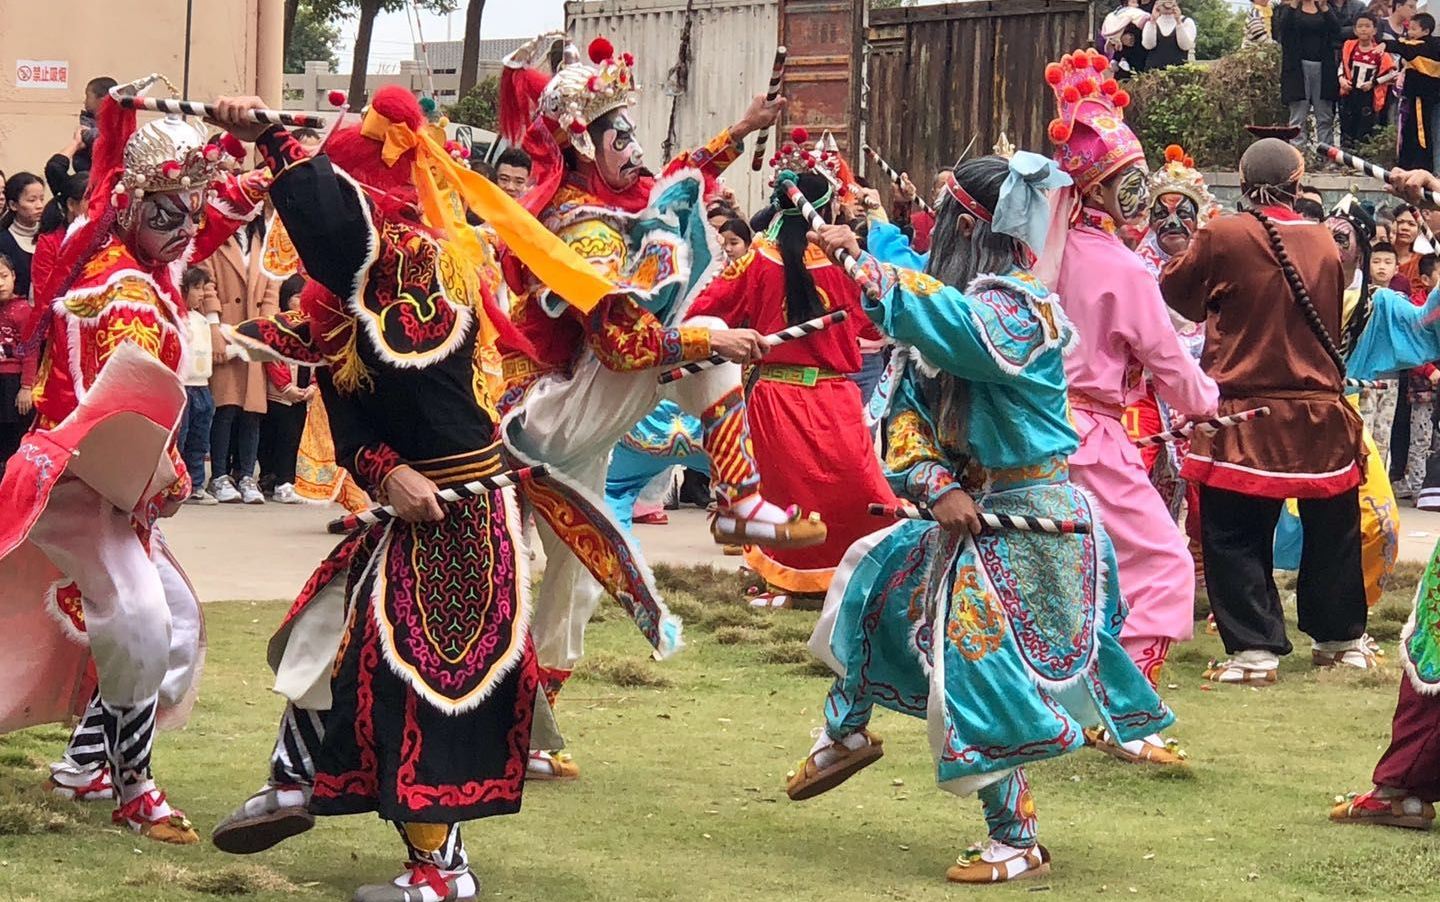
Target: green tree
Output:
[
  {"x": 480, "y": 107},
  {"x": 1219, "y": 27},
  {"x": 312, "y": 36}
]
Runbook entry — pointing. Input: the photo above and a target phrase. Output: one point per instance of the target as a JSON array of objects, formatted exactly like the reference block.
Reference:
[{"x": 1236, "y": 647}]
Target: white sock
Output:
[
  {"x": 998, "y": 851},
  {"x": 824, "y": 748},
  {"x": 466, "y": 885},
  {"x": 755, "y": 507},
  {"x": 1343, "y": 645},
  {"x": 1256, "y": 660}
]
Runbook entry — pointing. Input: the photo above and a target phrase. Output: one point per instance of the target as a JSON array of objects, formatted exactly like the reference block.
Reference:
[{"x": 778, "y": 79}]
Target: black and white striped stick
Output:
[
  {"x": 891, "y": 174},
  {"x": 1184, "y": 432},
  {"x": 777, "y": 75},
  {"x": 1024, "y": 523},
  {"x": 852, "y": 267},
  {"x": 191, "y": 108},
  {"x": 468, "y": 490},
  {"x": 1375, "y": 384},
  {"x": 799, "y": 330},
  {"x": 1366, "y": 167}
]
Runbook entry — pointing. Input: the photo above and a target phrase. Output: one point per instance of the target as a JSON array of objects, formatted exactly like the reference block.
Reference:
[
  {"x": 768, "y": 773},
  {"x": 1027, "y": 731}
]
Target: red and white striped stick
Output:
[
  {"x": 799, "y": 330},
  {"x": 891, "y": 174},
  {"x": 191, "y": 108},
  {"x": 1365, "y": 167},
  {"x": 468, "y": 490},
  {"x": 777, "y": 75},
  {"x": 1184, "y": 432},
  {"x": 1025, "y": 523},
  {"x": 1376, "y": 384},
  {"x": 852, "y": 267}
]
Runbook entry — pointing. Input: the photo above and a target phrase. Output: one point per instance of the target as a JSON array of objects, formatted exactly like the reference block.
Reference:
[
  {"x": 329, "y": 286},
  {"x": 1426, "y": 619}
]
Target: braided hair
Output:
[{"x": 1297, "y": 287}]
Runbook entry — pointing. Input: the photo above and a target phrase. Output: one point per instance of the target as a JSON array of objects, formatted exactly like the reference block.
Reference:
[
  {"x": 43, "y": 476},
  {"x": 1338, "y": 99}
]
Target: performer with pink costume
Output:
[
  {"x": 85, "y": 577},
  {"x": 1116, "y": 308}
]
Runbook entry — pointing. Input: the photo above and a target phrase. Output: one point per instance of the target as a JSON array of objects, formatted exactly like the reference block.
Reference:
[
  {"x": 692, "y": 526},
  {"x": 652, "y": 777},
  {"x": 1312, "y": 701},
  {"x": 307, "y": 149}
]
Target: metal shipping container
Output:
[{"x": 732, "y": 47}]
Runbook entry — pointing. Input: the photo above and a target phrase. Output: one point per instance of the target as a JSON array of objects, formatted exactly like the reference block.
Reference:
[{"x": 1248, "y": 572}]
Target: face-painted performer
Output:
[
  {"x": 939, "y": 620},
  {"x": 1289, "y": 301},
  {"x": 84, "y": 574},
  {"x": 595, "y": 374},
  {"x": 1107, "y": 291}
]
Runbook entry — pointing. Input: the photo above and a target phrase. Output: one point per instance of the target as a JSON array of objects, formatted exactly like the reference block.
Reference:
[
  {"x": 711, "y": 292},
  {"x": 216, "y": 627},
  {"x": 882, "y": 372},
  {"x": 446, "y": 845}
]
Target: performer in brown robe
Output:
[{"x": 1269, "y": 287}]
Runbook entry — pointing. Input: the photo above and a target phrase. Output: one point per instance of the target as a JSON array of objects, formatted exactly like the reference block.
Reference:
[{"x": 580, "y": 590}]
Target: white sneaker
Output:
[
  {"x": 285, "y": 494},
  {"x": 250, "y": 492},
  {"x": 202, "y": 498},
  {"x": 223, "y": 488}
]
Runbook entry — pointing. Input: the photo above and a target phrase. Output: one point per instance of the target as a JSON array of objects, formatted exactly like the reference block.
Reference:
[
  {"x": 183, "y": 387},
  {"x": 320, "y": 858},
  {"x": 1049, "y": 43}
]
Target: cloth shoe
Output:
[
  {"x": 201, "y": 497},
  {"x": 1354, "y": 653},
  {"x": 250, "y": 492},
  {"x": 267, "y": 818},
  {"x": 551, "y": 766},
  {"x": 423, "y": 883},
  {"x": 1250, "y": 668},
  {"x": 1385, "y": 809},
  {"x": 285, "y": 494},
  {"x": 1153, "y": 749},
  {"x": 223, "y": 488},
  {"x": 831, "y": 763}
]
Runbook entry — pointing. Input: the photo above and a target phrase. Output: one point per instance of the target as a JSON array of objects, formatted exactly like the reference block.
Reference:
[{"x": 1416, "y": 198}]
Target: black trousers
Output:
[
  {"x": 280, "y": 431},
  {"x": 1237, "y": 533},
  {"x": 1357, "y": 116}
]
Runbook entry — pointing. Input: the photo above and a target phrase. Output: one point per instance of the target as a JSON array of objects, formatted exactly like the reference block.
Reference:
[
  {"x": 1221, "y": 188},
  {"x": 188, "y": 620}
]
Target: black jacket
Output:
[{"x": 1292, "y": 74}]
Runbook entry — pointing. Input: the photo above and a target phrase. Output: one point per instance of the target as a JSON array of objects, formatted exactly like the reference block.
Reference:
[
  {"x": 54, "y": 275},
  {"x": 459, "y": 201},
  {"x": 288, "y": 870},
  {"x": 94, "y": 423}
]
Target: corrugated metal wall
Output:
[
  {"x": 940, "y": 75},
  {"x": 732, "y": 47}
]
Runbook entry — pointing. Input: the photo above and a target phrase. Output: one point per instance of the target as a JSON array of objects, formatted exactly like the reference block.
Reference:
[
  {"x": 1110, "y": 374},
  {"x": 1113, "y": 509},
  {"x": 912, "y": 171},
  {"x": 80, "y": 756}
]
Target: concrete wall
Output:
[{"x": 125, "y": 39}]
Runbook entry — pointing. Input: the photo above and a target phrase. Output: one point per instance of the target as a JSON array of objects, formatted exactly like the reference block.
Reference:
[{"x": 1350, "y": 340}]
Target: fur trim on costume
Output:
[
  {"x": 62, "y": 603},
  {"x": 1058, "y": 330}
]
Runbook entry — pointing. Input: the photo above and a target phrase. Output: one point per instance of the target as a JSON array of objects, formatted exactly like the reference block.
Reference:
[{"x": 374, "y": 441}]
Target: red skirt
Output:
[{"x": 813, "y": 450}]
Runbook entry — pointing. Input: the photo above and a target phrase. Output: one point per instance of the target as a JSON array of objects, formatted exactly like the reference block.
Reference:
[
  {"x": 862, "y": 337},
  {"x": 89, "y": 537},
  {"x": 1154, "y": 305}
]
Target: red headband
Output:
[{"x": 963, "y": 198}]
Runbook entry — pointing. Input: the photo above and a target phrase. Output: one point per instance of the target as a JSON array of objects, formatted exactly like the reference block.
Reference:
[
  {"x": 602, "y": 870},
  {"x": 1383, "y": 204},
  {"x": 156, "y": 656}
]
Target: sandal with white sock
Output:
[
  {"x": 812, "y": 778},
  {"x": 999, "y": 863},
  {"x": 1361, "y": 658},
  {"x": 423, "y": 883},
  {"x": 1410, "y": 812},
  {"x": 267, "y": 818},
  {"x": 1231, "y": 673},
  {"x": 1150, "y": 750},
  {"x": 796, "y": 531},
  {"x": 150, "y": 815},
  {"x": 80, "y": 784},
  {"x": 551, "y": 766}
]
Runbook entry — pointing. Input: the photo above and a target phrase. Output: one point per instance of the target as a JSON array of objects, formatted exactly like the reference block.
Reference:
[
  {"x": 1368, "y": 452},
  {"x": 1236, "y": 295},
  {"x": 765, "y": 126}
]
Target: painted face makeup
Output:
[
  {"x": 1344, "y": 234},
  {"x": 619, "y": 158},
  {"x": 164, "y": 225},
  {"x": 1174, "y": 219},
  {"x": 1129, "y": 194}
]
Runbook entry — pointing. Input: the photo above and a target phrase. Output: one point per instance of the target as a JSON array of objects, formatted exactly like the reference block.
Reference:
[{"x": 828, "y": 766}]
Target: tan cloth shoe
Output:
[{"x": 973, "y": 868}]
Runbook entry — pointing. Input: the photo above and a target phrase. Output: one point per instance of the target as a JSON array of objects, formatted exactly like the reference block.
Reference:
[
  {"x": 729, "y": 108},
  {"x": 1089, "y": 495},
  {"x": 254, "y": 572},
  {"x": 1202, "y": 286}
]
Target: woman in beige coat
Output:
[{"x": 237, "y": 386}]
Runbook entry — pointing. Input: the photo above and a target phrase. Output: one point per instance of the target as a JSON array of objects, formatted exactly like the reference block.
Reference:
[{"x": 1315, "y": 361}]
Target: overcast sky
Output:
[{"x": 503, "y": 19}]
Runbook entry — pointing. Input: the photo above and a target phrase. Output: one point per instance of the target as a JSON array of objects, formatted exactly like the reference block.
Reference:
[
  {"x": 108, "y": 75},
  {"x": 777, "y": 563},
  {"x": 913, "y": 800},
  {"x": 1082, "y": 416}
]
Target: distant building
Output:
[{"x": 444, "y": 56}]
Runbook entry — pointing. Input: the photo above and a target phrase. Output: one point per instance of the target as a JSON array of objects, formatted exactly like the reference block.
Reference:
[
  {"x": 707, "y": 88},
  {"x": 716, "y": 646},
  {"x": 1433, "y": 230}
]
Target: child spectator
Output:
[
  {"x": 1419, "y": 94},
  {"x": 289, "y": 389},
  {"x": 20, "y": 224},
  {"x": 512, "y": 172},
  {"x": 1377, "y": 406},
  {"x": 15, "y": 400},
  {"x": 95, "y": 91},
  {"x": 1366, "y": 72},
  {"x": 193, "y": 440},
  {"x": 1257, "y": 22},
  {"x": 735, "y": 236}
]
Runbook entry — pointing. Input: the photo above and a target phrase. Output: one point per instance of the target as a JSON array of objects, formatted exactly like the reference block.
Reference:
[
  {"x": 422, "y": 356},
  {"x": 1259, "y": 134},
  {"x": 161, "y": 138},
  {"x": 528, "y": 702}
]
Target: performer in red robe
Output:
[
  {"x": 807, "y": 421},
  {"x": 83, "y": 575}
]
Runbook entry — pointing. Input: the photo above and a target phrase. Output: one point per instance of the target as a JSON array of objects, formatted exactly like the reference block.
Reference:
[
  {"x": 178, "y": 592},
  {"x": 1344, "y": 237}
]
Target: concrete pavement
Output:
[{"x": 241, "y": 552}]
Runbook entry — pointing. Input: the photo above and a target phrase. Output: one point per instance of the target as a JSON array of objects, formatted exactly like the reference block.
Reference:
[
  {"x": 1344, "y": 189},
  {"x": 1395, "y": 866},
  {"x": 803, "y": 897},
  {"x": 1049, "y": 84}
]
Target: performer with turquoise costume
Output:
[
  {"x": 668, "y": 437},
  {"x": 1005, "y": 642}
]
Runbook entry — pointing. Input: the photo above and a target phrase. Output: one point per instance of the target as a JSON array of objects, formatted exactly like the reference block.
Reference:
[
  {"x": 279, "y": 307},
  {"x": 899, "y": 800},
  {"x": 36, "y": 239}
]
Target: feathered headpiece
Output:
[
  {"x": 569, "y": 101},
  {"x": 1092, "y": 141},
  {"x": 798, "y": 156}
]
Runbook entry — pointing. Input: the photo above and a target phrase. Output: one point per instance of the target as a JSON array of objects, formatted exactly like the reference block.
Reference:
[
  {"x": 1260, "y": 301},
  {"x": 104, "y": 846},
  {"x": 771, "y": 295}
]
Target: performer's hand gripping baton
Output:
[
  {"x": 1184, "y": 432},
  {"x": 799, "y": 330},
  {"x": 468, "y": 490}
]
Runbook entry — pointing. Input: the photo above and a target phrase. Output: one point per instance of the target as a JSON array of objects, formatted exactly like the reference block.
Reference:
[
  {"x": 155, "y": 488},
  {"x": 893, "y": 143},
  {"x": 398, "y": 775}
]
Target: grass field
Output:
[{"x": 682, "y": 794}]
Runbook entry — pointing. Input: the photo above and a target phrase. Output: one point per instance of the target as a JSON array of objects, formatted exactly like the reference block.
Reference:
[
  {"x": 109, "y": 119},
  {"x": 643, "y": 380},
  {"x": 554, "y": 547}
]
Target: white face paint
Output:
[
  {"x": 164, "y": 225},
  {"x": 619, "y": 158}
]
